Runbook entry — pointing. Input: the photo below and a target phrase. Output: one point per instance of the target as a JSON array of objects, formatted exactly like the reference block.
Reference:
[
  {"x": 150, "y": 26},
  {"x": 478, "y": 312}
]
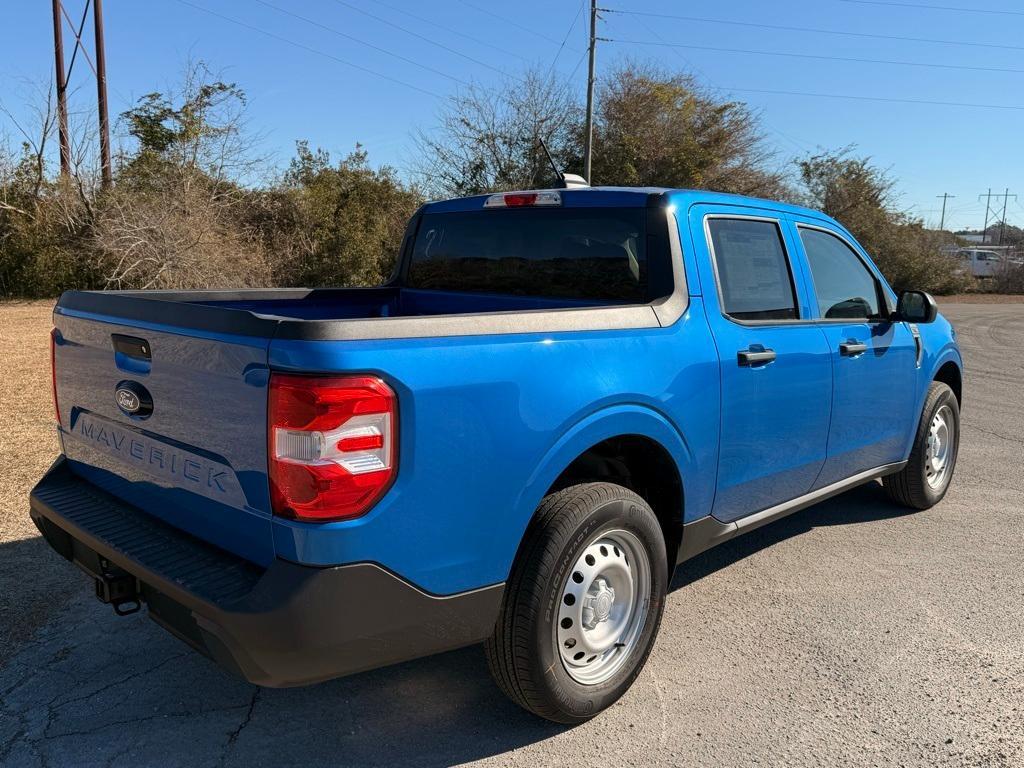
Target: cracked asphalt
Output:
[{"x": 852, "y": 633}]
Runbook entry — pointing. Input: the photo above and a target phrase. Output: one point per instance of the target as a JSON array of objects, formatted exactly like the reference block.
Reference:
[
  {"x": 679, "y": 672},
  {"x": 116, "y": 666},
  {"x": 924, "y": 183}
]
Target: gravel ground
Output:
[
  {"x": 851, "y": 633},
  {"x": 983, "y": 298}
]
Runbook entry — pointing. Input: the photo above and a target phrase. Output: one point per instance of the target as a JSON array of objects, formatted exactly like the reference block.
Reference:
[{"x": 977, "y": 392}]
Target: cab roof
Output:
[{"x": 631, "y": 197}]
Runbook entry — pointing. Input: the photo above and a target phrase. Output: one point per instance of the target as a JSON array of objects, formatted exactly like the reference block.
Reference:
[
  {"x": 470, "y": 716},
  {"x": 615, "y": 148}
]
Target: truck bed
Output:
[{"x": 356, "y": 313}]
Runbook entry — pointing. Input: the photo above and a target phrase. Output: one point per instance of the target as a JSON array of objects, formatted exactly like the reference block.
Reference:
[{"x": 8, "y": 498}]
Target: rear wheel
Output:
[
  {"x": 583, "y": 603},
  {"x": 929, "y": 471}
]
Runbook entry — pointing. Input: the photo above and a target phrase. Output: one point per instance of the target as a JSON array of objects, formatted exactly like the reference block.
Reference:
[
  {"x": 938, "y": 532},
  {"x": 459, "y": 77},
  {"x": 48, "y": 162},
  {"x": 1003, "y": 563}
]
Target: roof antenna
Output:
[
  {"x": 564, "y": 180},
  {"x": 558, "y": 174}
]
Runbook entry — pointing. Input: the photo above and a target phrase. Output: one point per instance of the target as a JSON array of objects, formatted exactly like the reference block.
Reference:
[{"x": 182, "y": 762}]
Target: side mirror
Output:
[{"x": 916, "y": 307}]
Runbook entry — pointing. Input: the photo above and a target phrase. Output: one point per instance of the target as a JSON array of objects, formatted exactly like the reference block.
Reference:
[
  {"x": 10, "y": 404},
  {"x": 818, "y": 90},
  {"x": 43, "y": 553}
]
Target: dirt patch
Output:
[
  {"x": 28, "y": 445},
  {"x": 982, "y": 298}
]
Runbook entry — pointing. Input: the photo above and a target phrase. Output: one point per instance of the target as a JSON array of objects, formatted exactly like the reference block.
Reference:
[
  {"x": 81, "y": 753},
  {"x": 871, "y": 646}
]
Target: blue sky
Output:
[{"x": 298, "y": 88}]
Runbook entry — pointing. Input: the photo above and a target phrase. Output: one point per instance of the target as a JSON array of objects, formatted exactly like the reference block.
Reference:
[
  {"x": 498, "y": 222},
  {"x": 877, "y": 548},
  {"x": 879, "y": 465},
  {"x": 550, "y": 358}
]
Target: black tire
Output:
[
  {"x": 523, "y": 653},
  {"x": 910, "y": 486}
]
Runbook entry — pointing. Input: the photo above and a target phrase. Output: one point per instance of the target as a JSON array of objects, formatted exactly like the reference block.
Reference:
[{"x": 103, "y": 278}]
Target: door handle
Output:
[
  {"x": 852, "y": 348},
  {"x": 752, "y": 356}
]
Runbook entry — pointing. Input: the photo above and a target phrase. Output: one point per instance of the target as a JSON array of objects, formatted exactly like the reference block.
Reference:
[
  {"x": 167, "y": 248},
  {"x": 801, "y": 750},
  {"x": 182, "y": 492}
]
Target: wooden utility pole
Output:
[
  {"x": 945, "y": 196},
  {"x": 988, "y": 209},
  {"x": 62, "y": 88},
  {"x": 588, "y": 131},
  {"x": 99, "y": 69},
  {"x": 101, "y": 92}
]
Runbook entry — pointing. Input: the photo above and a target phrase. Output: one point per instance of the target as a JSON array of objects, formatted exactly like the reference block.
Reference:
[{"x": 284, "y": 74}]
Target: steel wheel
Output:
[
  {"x": 604, "y": 605},
  {"x": 939, "y": 447}
]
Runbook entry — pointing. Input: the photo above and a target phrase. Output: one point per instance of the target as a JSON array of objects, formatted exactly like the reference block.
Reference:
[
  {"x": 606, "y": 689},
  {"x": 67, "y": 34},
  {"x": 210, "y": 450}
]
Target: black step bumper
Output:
[{"x": 285, "y": 625}]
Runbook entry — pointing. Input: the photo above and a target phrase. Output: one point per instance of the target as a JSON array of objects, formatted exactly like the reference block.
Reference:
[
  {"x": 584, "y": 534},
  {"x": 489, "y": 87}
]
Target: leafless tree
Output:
[{"x": 489, "y": 139}]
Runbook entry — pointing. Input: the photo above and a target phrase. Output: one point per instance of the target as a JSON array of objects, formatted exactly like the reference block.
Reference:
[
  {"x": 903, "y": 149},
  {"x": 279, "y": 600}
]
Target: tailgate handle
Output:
[
  {"x": 131, "y": 346},
  {"x": 131, "y": 353}
]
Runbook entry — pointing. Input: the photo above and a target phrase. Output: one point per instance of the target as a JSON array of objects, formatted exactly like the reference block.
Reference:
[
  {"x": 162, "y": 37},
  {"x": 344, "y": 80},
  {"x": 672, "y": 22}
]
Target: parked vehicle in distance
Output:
[
  {"x": 981, "y": 263},
  {"x": 559, "y": 396}
]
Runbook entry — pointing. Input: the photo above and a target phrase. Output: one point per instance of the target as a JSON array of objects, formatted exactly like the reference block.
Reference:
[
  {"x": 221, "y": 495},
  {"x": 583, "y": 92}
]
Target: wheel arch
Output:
[
  {"x": 634, "y": 446},
  {"x": 950, "y": 374},
  {"x": 947, "y": 367}
]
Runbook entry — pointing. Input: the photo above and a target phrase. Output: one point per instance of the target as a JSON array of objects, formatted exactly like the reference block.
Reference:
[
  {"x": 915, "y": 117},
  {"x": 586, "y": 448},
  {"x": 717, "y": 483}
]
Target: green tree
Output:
[
  {"x": 655, "y": 127},
  {"x": 334, "y": 224}
]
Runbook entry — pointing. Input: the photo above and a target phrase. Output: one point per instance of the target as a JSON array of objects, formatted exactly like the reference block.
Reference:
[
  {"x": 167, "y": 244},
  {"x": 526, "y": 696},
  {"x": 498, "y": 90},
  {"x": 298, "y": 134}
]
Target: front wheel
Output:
[
  {"x": 583, "y": 603},
  {"x": 925, "y": 479}
]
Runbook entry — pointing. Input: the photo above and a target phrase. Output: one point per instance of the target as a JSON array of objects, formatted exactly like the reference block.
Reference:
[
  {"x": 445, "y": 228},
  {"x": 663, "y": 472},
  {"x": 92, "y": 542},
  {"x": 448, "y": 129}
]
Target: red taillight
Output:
[
  {"x": 528, "y": 198},
  {"x": 332, "y": 445},
  {"x": 53, "y": 372}
]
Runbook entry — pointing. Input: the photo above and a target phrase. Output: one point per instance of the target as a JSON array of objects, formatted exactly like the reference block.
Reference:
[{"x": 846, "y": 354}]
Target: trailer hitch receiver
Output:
[{"x": 119, "y": 589}]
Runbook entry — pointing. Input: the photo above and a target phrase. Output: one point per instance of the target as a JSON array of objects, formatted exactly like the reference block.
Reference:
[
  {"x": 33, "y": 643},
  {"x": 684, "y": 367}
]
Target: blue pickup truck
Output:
[{"x": 559, "y": 396}]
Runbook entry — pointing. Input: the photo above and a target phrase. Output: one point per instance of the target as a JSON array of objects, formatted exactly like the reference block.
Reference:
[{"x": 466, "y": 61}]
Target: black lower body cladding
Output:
[{"x": 285, "y": 625}]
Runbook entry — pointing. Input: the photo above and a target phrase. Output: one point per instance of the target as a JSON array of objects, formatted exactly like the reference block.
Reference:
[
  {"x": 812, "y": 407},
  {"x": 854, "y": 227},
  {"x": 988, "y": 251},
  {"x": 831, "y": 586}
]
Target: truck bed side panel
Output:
[{"x": 478, "y": 415}]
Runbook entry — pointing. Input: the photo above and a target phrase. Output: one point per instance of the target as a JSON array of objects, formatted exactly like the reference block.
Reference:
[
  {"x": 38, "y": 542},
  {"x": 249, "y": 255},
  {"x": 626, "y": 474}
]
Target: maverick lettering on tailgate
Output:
[{"x": 183, "y": 468}]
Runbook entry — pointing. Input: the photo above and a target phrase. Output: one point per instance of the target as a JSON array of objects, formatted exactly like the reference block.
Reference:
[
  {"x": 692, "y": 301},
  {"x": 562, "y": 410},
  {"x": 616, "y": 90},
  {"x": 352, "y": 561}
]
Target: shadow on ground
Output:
[
  {"x": 864, "y": 504},
  {"x": 89, "y": 688}
]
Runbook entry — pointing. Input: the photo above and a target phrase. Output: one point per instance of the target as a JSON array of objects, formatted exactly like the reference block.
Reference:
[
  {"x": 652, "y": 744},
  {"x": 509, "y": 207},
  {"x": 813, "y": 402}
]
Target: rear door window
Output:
[
  {"x": 753, "y": 270},
  {"x": 583, "y": 253}
]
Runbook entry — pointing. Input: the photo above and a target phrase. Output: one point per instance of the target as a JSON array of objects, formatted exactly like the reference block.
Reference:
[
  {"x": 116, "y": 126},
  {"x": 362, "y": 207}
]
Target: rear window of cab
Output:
[{"x": 576, "y": 253}]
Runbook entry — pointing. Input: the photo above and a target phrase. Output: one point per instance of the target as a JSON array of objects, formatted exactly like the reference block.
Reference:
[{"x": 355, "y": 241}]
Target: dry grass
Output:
[{"x": 28, "y": 445}]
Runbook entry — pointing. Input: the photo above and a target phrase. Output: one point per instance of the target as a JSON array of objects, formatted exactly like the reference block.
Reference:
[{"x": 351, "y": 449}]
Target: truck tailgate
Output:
[{"x": 198, "y": 460}]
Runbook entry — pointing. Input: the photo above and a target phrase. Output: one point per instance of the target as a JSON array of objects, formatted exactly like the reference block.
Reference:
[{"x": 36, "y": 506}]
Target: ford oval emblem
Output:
[
  {"x": 133, "y": 399},
  {"x": 127, "y": 401}
]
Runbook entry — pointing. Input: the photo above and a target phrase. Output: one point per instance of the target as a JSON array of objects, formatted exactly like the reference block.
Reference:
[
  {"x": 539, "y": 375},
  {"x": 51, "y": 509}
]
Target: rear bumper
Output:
[{"x": 285, "y": 625}]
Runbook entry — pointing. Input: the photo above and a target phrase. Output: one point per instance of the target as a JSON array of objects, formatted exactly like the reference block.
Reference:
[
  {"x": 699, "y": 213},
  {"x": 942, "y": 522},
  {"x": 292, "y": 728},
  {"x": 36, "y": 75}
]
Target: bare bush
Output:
[
  {"x": 490, "y": 139},
  {"x": 173, "y": 220},
  {"x": 178, "y": 235},
  {"x": 1009, "y": 279}
]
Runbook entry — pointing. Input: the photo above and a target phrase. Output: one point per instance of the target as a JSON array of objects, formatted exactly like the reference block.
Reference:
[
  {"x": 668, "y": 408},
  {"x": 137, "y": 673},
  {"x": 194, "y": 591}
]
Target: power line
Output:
[
  {"x": 471, "y": 38},
  {"x": 512, "y": 22},
  {"x": 339, "y": 33},
  {"x": 310, "y": 49},
  {"x": 448, "y": 48},
  {"x": 789, "y": 54},
  {"x": 575, "y": 69},
  {"x": 852, "y": 97},
  {"x": 935, "y": 7},
  {"x": 818, "y": 31},
  {"x": 799, "y": 145},
  {"x": 579, "y": 12}
]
